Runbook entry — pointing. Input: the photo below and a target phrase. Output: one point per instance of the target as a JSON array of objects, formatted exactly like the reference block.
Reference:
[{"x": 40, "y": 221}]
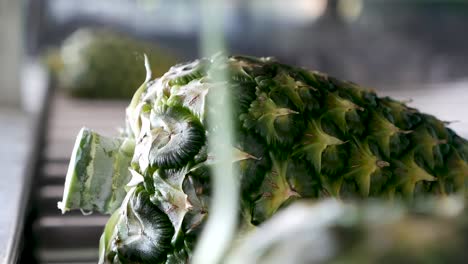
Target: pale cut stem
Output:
[{"x": 97, "y": 173}]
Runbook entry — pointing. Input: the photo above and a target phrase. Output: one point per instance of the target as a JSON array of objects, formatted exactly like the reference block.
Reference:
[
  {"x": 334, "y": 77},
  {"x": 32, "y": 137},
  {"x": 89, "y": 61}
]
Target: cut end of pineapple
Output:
[
  {"x": 72, "y": 191},
  {"x": 97, "y": 173}
]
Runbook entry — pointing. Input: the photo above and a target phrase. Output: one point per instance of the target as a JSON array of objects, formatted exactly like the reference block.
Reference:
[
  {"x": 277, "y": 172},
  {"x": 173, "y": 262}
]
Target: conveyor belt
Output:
[{"x": 73, "y": 237}]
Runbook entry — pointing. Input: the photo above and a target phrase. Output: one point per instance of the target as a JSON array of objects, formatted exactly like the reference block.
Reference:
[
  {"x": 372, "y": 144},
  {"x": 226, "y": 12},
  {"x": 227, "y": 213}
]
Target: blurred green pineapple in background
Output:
[{"x": 100, "y": 63}]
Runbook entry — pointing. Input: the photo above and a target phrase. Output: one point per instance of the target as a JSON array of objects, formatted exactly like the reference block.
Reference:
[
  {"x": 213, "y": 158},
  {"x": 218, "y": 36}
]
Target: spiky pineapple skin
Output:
[{"x": 300, "y": 134}]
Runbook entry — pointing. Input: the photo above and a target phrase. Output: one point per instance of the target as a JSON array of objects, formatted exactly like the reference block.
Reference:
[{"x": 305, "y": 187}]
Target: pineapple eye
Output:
[
  {"x": 252, "y": 170},
  {"x": 277, "y": 125},
  {"x": 144, "y": 231},
  {"x": 177, "y": 136}
]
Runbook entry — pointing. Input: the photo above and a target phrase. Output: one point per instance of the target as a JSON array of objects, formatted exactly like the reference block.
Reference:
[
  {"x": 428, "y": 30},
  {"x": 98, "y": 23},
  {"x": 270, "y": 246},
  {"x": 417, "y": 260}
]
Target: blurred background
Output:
[{"x": 72, "y": 63}]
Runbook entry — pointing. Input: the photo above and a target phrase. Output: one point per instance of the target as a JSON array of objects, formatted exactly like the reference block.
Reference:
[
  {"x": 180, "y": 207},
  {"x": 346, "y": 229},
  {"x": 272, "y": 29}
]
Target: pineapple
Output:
[
  {"x": 359, "y": 233},
  {"x": 100, "y": 63},
  {"x": 299, "y": 134}
]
